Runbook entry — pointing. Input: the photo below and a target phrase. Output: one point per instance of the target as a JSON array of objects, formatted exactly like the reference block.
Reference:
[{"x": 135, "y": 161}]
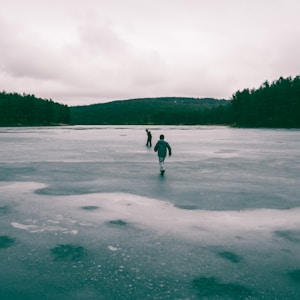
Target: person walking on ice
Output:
[
  {"x": 149, "y": 138},
  {"x": 161, "y": 148}
]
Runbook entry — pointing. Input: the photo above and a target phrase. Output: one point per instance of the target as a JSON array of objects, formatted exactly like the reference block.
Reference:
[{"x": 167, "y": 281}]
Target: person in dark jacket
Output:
[
  {"x": 149, "y": 138},
  {"x": 161, "y": 148}
]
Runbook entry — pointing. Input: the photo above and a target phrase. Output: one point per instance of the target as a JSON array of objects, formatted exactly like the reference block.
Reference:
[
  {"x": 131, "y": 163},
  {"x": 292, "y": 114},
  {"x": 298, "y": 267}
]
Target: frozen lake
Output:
[{"x": 84, "y": 213}]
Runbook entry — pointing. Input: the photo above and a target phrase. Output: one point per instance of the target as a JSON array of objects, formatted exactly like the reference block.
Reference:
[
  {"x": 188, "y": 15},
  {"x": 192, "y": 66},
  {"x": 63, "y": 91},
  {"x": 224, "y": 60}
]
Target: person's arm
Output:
[{"x": 169, "y": 149}]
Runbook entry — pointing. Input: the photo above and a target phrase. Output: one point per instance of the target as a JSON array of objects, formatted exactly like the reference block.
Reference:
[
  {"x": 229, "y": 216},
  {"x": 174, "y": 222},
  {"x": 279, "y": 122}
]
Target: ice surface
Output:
[{"x": 84, "y": 214}]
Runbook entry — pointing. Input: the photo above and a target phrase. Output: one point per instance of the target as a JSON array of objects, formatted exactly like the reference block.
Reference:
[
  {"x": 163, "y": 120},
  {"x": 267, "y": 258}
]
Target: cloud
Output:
[{"x": 90, "y": 51}]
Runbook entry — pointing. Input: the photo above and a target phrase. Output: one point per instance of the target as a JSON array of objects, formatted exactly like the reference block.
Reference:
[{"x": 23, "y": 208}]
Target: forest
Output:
[
  {"x": 159, "y": 111},
  {"x": 273, "y": 105},
  {"x": 27, "y": 110}
]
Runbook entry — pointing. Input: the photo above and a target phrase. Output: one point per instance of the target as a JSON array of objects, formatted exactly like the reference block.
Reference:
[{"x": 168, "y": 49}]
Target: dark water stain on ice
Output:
[
  {"x": 188, "y": 207},
  {"x": 295, "y": 275},
  {"x": 89, "y": 207},
  {"x": 6, "y": 241},
  {"x": 117, "y": 223},
  {"x": 232, "y": 257},
  {"x": 59, "y": 191},
  {"x": 289, "y": 235},
  {"x": 5, "y": 209},
  {"x": 212, "y": 287},
  {"x": 68, "y": 252}
]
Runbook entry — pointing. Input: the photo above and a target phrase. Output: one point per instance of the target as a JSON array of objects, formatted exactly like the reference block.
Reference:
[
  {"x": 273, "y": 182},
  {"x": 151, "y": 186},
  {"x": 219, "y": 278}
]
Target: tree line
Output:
[
  {"x": 160, "y": 111},
  {"x": 27, "y": 110},
  {"x": 275, "y": 104}
]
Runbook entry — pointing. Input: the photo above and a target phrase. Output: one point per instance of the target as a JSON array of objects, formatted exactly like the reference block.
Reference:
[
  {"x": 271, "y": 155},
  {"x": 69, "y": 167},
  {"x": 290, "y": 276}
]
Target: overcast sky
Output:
[{"x": 80, "y": 52}]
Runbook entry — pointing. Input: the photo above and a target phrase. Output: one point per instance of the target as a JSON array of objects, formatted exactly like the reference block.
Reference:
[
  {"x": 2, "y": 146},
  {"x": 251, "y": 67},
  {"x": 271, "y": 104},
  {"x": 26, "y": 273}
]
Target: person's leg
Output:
[{"x": 161, "y": 164}]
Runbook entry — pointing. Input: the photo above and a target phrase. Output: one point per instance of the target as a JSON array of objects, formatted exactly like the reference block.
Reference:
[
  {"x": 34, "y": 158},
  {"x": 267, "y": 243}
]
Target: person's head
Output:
[{"x": 161, "y": 137}]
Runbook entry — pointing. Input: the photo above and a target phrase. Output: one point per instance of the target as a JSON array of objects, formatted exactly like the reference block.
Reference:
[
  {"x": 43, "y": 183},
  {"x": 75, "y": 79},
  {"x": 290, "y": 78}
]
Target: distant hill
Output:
[{"x": 166, "y": 110}]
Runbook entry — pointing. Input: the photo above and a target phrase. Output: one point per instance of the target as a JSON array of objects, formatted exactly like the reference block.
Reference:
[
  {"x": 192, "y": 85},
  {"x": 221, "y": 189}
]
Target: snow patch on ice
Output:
[
  {"x": 144, "y": 213},
  {"x": 36, "y": 228},
  {"x": 112, "y": 248}
]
